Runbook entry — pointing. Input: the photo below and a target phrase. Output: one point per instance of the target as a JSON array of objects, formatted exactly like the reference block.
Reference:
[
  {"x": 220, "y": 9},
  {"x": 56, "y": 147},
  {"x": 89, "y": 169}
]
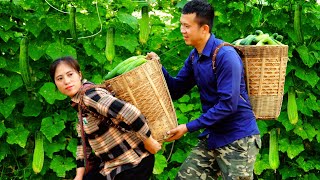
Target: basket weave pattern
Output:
[
  {"x": 265, "y": 70},
  {"x": 145, "y": 87}
]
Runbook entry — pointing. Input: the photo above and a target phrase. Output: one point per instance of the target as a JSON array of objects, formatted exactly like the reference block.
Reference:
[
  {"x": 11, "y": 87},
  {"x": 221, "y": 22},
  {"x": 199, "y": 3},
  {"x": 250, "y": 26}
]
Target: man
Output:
[{"x": 231, "y": 137}]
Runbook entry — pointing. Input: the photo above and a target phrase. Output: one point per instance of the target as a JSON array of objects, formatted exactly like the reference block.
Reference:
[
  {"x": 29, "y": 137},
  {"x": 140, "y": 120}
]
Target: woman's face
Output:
[{"x": 67, "y": 79}]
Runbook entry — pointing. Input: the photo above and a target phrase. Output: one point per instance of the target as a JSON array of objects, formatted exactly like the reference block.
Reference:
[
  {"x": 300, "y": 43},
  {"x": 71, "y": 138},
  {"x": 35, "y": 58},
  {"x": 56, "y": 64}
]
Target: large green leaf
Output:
[
  {"x": 305, "y": 56},
  {"x": 129, "y": 41},
  {"x": 128, "y": 19},
  {"x": 262, "y": 163},
  {"x": 18, "y": 135},
  {"x": 57, "y": 50},
  {"x": 3, "y": 62},
  {"x": 37, "y": 49},
  {"x": 32, "y": 108},
  {"x": 15, "y": 81},
  {"x": 160, "y": 164},
  {"x": 7, "y": 106},
  {"x": 54, "y": 147},
  {"x": 295, "y": 148},
  {"x": 309, "y": 75},
  {"x": 52, "y": 126},
  {"x": 50, "y": 93},
  {"x": 72, "y": 146},
  {"x": 179, "y": 156},
  {"x": 58, "y": 22},
  {"x": 90, "y": 22},
  {"x": 61, "y": 165}
]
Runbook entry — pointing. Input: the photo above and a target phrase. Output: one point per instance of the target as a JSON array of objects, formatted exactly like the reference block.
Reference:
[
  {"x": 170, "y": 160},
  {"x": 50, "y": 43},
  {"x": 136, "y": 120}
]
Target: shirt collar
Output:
[{"x": 208, "y": 48}]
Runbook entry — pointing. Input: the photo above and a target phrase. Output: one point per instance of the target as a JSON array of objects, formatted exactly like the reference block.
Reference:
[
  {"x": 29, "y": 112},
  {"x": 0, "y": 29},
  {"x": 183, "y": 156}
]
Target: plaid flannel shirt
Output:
[{"x": 119, "y": 150}]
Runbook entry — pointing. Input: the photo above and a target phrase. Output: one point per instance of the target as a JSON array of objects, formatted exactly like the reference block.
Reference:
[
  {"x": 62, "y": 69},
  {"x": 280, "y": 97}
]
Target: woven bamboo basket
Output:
[
  {"x": 265, "y": 70},
  {"x": 145, "y": 87}
]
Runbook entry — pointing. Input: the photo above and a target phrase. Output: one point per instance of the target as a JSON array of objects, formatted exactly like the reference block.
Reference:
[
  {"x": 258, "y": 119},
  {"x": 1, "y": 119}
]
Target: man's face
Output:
[{"x": 190, "y": 29}]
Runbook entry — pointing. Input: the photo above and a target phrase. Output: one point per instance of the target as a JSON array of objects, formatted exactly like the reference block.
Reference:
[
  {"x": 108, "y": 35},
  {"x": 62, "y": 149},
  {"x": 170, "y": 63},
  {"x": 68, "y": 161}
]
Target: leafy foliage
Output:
[{"x": 43, "y": 108}]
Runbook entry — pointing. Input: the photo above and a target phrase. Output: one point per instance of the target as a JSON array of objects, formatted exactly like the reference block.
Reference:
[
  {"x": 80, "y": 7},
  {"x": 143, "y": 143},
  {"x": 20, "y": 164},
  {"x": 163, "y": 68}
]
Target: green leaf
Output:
[
  {"x": 35, "y": 26},
  {"x": 15, "y": 82},
  {"x": 58, "y": 22},
  {"x": 57, "y": 50},
  {"x": 263, "y": 127},
  {"x": 301, "y": 132},
  {"x": 310, "y": 130},
  {"x": 61, "y": 165},
  {"x": 95, "y": 52},
  {"x": 302, "y": 107},
  {"x": 3, "y": 62},
  {"x": 310, "y": 76},
  {"x": 50, "y": 93},
  {"x": 179, "y": 156},
  {"x": 52, "y": 126},
  {"x": 37, "y": 49},
  {"x": 2, "y": 128},
  {"x": 128, "y": 41},
  {"x": 311, "y": 102},
  {"x": 262, "y": 163},
  {"x": 5, "y": 24},
  {"x": 185, "y": 107},
  {"x": 90, "y": 22},
  {"x": 32, "y": 108},
  {"x": 6, "y": 35},
  {"x": 305, "y": 56},
  {"x": 4, "y": 151},
  {"x": 52, "y": 147},
  {"x": 7, "y": 106},
  {"x": 127, "y": 19},
  {"x": 72, "y": 146},
  {"x": 182, "y": 119},
  {"x": 295, "y": 148},
  {"x": 184, "y": 99},
  {"x": 284, "y": 144},
  {"x": 160, "y": 164},
  {"x": 283, "y": 118},
  {"x": 289, "y": 171},
  {"x": 18, "y": 135},
  {"x": 305, "y": 165}
]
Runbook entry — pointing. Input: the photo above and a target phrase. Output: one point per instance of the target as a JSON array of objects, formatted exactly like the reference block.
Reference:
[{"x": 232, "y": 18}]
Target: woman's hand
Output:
[
  {"x": 80, "y": 173},
  {"x": 152, "y": 145}
]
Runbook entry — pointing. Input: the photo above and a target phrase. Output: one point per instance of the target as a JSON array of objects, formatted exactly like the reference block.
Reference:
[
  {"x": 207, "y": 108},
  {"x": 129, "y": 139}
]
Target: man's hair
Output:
[{"x": 203, "y": 10}]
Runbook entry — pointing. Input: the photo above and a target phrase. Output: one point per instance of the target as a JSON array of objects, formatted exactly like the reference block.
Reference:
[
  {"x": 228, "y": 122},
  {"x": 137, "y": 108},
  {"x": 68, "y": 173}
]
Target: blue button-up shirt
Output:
[{"x": 227, "y": 113}]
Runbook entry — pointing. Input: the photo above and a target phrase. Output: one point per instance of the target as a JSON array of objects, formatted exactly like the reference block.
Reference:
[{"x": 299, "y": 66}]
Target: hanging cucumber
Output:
[
  {"x": 297, "y": 23},
  {"x": 38, "y": 154},
  {"x": 72, "y": 23},
  {"x": 292, "y": 109},
  {"x": 110, "y": 47},
  {"x": 144, "y": 25},
  {"x": 274, "y": 149},
  {"x": 24, "y": 63}
]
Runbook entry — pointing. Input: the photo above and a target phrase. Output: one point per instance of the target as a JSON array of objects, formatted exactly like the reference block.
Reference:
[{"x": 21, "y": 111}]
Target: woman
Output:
[{"x": 123, "y": 154}]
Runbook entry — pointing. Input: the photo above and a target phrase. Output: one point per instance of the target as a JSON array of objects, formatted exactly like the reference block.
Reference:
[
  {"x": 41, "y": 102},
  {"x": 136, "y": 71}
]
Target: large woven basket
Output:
[
  {"x": 145, "y": 87},
  {"x": 265, "y": 70}
]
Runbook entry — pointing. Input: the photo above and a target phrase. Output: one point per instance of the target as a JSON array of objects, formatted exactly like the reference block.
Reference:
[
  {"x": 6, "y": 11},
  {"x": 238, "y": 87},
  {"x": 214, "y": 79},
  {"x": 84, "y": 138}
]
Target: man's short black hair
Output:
[{"x": 204, "y": 12}]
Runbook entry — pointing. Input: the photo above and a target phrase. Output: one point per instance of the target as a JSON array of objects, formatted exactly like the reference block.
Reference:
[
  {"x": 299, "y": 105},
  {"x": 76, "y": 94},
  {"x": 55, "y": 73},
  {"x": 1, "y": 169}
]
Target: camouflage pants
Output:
[{"x": 234, "y": 161}]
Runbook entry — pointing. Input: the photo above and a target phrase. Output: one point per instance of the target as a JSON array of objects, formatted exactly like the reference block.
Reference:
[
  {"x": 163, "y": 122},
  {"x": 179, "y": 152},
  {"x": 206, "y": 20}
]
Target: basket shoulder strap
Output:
[{"x": 215, "y": 52}]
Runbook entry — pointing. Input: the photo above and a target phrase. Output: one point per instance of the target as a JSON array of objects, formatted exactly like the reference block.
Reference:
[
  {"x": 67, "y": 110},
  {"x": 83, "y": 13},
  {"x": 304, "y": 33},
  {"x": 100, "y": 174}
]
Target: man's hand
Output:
[
  {"x": 152, "y": 145},
  {"x": 152, "y": 56},
  {"x": 177, "y": 132}
]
